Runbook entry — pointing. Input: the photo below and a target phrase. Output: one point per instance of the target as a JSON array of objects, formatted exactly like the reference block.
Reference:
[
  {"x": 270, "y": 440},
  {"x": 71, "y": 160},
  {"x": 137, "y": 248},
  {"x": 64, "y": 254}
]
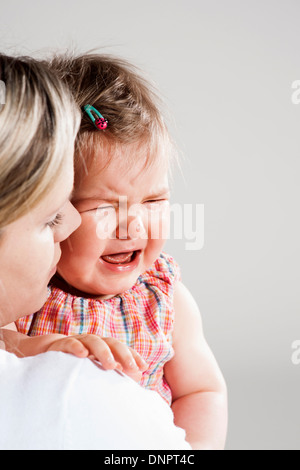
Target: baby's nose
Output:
[
  {"x": 133, "y": 228},
  {"x": 136, "y": 228}
]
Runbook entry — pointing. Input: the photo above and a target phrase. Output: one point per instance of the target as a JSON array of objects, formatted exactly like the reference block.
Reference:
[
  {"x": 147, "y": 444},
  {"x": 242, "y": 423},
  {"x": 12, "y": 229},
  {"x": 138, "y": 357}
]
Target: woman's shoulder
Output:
[{"x": 84, "y": 389}]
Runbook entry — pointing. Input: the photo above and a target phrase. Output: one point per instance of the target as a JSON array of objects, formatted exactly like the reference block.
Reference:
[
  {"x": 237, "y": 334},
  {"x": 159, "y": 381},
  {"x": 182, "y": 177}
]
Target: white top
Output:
[{"x": 56, "y": 401}]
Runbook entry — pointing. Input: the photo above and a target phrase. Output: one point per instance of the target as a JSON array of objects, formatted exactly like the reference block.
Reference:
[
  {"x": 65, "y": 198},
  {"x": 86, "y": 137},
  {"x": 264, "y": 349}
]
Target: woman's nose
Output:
[{"x": 70, "y": 222}]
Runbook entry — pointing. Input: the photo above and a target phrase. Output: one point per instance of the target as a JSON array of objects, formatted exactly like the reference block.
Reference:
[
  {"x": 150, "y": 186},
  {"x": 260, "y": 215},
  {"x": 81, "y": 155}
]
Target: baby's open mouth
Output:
[{"x": 120, "y": 258}]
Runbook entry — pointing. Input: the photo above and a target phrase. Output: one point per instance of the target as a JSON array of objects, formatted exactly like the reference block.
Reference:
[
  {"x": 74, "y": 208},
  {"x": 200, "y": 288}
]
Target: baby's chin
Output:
[
  {"x": 104, "y": 290},
  {"x": 99, "y": 285},
  {"x": 107, "y": 291}
]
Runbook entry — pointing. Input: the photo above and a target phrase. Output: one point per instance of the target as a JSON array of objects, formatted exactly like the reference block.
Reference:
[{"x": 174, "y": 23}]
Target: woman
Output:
[{"x": 54, "y": 400}]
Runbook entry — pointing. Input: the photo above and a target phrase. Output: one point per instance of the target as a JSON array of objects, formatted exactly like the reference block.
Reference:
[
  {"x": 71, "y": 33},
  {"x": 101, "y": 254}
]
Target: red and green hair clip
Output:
[{"x": 97, "y": 119}]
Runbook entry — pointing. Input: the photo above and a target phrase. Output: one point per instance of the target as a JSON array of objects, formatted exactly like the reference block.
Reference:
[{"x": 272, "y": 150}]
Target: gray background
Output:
[{"x": 224, "y": 69}]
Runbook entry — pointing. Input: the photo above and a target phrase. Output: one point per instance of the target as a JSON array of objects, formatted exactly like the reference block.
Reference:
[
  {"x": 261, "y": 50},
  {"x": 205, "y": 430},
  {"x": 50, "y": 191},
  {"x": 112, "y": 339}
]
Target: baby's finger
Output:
[
  {"x": 100, "y": 350},
  {"x": 69, "y": 345},
  {"x": 140, "y": 362},
  {"x": 122, "y": 354},
  {"x": 136, "y": 376}
]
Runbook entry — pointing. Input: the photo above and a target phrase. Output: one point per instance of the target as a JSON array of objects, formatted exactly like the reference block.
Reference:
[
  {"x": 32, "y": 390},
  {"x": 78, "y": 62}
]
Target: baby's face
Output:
[{"x": 125, "y": 222}]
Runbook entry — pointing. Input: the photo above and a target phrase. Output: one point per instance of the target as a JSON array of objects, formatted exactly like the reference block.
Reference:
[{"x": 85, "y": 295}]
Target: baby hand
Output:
[{"x": 109, "y": 351}]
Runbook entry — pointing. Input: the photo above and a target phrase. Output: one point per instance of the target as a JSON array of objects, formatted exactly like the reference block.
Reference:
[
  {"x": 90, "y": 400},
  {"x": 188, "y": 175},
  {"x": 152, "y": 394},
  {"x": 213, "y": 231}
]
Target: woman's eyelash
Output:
[{"x": 56, "y": 221}]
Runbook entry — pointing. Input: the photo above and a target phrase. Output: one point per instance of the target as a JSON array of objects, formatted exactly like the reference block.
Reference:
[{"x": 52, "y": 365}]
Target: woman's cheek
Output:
[{"x": 42, "y": 249}]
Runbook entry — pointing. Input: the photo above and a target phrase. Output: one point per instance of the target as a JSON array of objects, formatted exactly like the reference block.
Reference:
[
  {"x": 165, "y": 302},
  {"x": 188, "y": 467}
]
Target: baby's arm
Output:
[
  {"x": 198, "y": 388},
  {"x": 110, "y": 352}
]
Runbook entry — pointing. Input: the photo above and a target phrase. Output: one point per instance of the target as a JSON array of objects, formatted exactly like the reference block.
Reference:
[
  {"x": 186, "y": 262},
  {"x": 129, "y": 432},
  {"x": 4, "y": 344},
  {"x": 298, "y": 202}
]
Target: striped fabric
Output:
[{"x": 141, "y": 317}]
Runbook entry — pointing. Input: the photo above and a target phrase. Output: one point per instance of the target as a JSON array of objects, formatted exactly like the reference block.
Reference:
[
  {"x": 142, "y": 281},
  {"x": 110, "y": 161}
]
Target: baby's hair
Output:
[{"x": 123, "y": 96}]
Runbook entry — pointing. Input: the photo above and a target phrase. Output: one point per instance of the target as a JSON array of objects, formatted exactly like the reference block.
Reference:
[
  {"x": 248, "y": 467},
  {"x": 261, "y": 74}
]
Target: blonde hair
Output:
[
  {"x": 38, "y": 126},
  {"x": 120, "y": 93}
]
